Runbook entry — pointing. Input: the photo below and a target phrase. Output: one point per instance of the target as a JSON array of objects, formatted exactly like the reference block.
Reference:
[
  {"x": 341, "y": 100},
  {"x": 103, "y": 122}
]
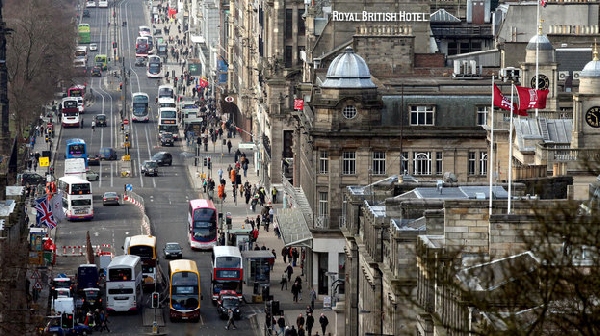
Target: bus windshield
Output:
[{"x": 168, "y": 114}]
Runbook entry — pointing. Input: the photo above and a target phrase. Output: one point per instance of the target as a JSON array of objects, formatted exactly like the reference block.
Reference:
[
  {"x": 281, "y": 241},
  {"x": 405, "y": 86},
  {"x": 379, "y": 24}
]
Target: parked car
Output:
[
  {"x": 228, "y": 299},
  {"x": 107, "y": 153},
  {"x": 149, "y": 167},
  {"x": 86, "y": 14},
  {"x": 91, "y": 175},
  {"x": 90, "y": 4},
  {"x": 100, "y": 120},
  {"x": 172, "y": 251},
  {"x": 30, "y": 179},
  {"x": 140, "y": 62},
  {"x": 110, "y": 198},
  {"x": 166, "y": 139},
  {"x": 163, "y": 158},
  {"x": 96, "y": 71}
]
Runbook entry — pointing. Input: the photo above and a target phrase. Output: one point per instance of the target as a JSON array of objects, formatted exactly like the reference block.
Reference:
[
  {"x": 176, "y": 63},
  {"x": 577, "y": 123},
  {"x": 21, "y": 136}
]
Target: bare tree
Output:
[{"x": 39, "y": 49}]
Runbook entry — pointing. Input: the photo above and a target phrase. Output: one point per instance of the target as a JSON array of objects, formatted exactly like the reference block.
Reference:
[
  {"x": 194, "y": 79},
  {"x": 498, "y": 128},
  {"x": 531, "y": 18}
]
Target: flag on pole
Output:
[
  {"x": 504, "y": 103},
  {"x": 530, "y": 98},
  {"x": 544, "y": 3},
  {"x": 44, "y": 213}
]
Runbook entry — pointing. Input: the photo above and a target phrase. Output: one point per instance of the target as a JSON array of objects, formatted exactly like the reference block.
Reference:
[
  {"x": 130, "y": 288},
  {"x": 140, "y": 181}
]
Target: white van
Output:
[{"x": 81, "y": 53}]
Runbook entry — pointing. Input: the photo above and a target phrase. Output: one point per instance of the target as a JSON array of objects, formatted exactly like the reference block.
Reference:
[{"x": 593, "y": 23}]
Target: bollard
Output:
[
  {"x": 154, "y": 327},
  {"x": 64, "y": 250}
]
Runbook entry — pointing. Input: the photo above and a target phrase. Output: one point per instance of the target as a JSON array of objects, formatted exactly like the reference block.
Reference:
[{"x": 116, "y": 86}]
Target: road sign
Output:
[
  {"x": 35, "y": 275},
  {"x": 128, "y": 187},
  {"x": 44, "y": 161},
  {"x": 38, "y": 285}
]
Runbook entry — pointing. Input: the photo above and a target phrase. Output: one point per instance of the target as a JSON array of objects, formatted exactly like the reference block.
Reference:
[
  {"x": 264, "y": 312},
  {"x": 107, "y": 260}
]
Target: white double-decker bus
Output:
[
  {"x": 77, "y": 198},
  {"x": 140, "y": 106},
  {"x": 124, "y": 284},
  {"x": 154, "y": 68},
  {"x": 70, "y": 112}
]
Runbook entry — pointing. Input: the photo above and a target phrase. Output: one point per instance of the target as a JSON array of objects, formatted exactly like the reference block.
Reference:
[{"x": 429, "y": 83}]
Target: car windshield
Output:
[
  {"x": 101, "y": 117},
  {"x": 151, "y": 164},
  {"x": 167, "y": 135},
  {"x": 173, "y": 247},
  {"x": 230, "y": 302},
  {"x": 110, "y": 194}
]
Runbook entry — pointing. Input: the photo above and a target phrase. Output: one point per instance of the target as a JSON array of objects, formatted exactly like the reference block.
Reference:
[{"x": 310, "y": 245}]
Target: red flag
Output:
[
  {"x": 544, "y": 3},
  {"x": 504, "y": 103},
  {"x": 530, "y": 98},
  {"x": 298, "y": 104}
]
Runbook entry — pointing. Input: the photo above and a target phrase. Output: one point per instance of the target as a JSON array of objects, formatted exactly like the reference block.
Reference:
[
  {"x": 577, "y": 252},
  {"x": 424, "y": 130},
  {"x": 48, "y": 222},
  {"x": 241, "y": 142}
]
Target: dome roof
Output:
[
  {"x": 348, "y": 70},
  {"x": 542, "y": 40},
  {"x": 592, "y": 68}
]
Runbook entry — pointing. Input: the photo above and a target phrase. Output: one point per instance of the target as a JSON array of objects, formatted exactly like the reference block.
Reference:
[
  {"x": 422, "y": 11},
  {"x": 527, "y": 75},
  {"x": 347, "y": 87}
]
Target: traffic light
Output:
[
  {"x": 114, "y": 45},
  {"x": 155, "y": 300},
  {"x": 209, "y": 164},
  {"x": 205, "y": 162},
  {"x": 126, "y": 137}
]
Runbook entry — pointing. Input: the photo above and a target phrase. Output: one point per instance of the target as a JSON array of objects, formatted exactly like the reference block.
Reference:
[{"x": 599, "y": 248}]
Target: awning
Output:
[
  {"x": 293, "y": 227},
  {"x": 196, "y": 38}
]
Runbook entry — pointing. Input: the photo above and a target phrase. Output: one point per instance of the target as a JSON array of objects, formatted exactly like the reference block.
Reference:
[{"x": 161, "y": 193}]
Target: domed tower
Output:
[
  {"x": 348, "y": 97},
  {"x": 539, "y": 50},
  {"x": 586, "y": 106}
]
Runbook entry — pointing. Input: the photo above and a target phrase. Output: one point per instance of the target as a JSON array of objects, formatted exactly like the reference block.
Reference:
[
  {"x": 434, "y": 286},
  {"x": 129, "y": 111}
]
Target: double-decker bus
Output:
[
  {"x": 184, "y": 290},
  {"x": 140, "y": 102},
  {"x": 154, "y": 68},
  {"x": 202, "y": 224},
  {"x": 77, "y": 198},
  {"x": 167, "y": 121},
  {"x": 166, "y": 91},
  {"x": 141, "y": 47},
  {"x": 144, "y": 246},
  {"x": 227, "y": 270},
  {"x": 144, "y": 31},
  {"x": 76, "y": 148},
  {"x": 85, "y": 33},
  {"x": 124, "y": 284},
  {"x": 76, "y": 91},
  {"x": 166, "y": 102},
  {"x": 70, "y": 112}
]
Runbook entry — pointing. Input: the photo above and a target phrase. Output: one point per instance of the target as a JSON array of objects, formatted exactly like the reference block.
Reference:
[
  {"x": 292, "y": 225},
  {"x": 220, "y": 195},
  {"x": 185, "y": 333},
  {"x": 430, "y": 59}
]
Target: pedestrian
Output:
[
  {"x": 295, "y": 256},
  {"x": 313, "y": 297},
  {"x": 93, "y": 126},
  {"x": 274, "y": 254},
  {"x": 284, "y": 281},
  {"x": 289, "y": 270},
  {"x": 284, "y": 254},
  {"x": 276, "y": 230},
  {"x": 281, "y": 324},
  {"x": 258, "y": 222},
  {"x": 274, "y": 192},
  {"x": 229, "y": 145},
  {"x": 301, "y": 331},
  {"x": 300, "y": 321},
  {"x": 323, "y": 321},
  {"x": 220, "y": 173},
  {"x": 104, "y": 321},
  {"x": 295, "y": 292},
  {"x": 310, "y": 321},
  {"x": 230, "y": 322}
]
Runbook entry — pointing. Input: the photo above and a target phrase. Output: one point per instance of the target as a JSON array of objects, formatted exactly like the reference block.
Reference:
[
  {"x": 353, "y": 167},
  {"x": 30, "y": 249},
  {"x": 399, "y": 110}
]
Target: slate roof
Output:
[
  {"x": 463, "y": 192},
  {"x": 532, "y": 131}
]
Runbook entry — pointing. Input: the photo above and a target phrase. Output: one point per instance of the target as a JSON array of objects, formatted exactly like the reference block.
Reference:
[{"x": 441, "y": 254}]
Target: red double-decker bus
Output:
[
  {"x": 202, "y": 224},
  {"x": 227, "y": 271}
]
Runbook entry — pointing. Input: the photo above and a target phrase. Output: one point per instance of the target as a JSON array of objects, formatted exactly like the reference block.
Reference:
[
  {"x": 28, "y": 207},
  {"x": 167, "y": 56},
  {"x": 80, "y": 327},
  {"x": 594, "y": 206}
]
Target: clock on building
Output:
[
  {"x": 592, "y": 117},
  {"x": 543, "y": 83}
]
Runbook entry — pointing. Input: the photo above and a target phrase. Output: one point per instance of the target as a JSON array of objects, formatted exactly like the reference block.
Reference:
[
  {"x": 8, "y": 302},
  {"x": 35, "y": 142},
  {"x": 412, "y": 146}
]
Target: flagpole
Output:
[
  {"x": 537, "y": 51},
  {"x": 491, "y": 164},
  {"x": 510, "y": 145}
]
